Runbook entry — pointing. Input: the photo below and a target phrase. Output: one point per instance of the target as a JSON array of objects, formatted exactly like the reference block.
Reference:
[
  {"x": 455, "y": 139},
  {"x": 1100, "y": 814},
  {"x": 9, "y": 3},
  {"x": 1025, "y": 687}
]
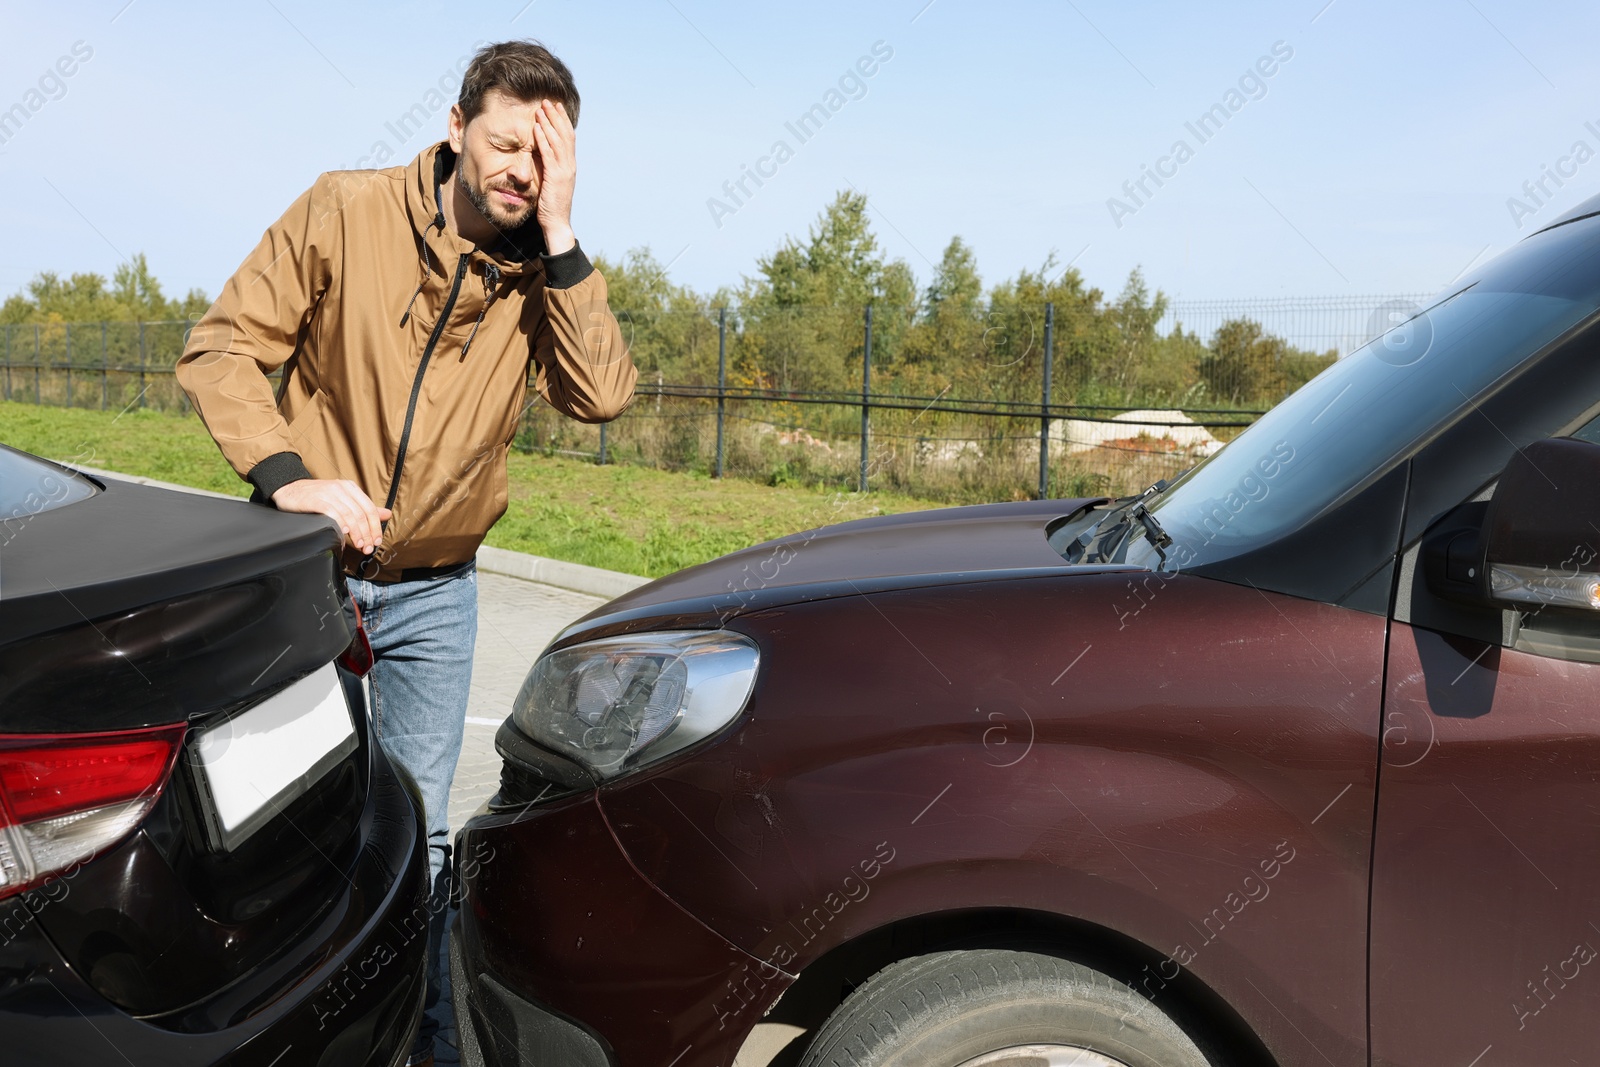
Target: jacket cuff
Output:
[
  {"x": 275, "y": 472},
  {"x": 567, "y": 269}
]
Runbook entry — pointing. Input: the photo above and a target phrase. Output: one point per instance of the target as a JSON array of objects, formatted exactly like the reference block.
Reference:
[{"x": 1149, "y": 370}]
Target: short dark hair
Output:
[{"x": 525, "y": 70}]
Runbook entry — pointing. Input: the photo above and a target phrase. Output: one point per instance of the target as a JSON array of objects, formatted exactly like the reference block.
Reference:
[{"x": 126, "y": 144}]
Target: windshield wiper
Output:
[
  {"x": 1158, "y": 538},
  {"x": 1111, "y": 531}
]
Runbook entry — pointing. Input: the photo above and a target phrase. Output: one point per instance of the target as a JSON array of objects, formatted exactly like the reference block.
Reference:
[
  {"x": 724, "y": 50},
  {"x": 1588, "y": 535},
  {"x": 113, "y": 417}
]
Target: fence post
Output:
[
  {"x": 1044, "y": 400},
  {"x": 141, "y": 363},
  {"x": 866, "y": 389},
  {"x": 602, "y": 444},
  {"x": 183, "y": 394},
  {"x": 69, "y": 364},
  {"x": 8, "y": 361},
  {"x": 36, "y": 400},
  {"x": 103, "y": 374},
  {"x": 722, "y": 379}
]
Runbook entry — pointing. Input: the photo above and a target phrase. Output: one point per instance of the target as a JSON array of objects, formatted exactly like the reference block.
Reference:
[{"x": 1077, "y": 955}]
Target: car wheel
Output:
[{"x": 998, "y": 1008}]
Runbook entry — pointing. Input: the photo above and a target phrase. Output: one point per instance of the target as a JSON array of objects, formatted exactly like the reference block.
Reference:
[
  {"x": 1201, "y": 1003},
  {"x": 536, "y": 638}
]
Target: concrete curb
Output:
[
  {"x": 119, "y": 476},
  {"x": 577, "y": 577}
]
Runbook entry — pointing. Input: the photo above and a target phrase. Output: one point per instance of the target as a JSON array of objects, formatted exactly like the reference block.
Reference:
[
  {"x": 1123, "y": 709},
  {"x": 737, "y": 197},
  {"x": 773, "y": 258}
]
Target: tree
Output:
[
  {"x": 956, "y": 287},
  {"x": 950, "y": 327},
  {"x": 840, "y": 264},
  {"x": 1134, "y": 315},
  {"x": 1245, "y": 364},
  {"x": 134, "y": 295},
  {"x": 801, "y": 316},
  {"x": 1084, "y": 337},
  {"x": 669, "y": 328}
]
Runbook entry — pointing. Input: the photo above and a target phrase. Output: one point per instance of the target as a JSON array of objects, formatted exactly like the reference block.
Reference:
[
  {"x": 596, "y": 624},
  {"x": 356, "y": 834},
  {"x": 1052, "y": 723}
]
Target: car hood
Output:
[{"x": 980, "y": 543}]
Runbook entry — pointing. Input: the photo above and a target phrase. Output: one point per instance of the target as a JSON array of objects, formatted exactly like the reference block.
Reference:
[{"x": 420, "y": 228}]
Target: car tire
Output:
[{"x": 996, "y": 1008}]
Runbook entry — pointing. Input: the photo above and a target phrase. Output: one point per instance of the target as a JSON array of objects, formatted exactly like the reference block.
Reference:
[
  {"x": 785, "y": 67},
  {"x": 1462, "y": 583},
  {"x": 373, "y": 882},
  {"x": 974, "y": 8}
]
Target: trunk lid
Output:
[{"x": 137, "y": 606}]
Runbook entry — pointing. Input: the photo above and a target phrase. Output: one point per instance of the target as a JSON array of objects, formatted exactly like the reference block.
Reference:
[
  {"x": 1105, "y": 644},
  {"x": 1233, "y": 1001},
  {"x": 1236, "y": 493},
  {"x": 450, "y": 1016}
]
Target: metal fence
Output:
[
  {"x": 97, "y": 364},
  {"x": 733, "y": 393},
  {"x": 1339, "y": 324}
]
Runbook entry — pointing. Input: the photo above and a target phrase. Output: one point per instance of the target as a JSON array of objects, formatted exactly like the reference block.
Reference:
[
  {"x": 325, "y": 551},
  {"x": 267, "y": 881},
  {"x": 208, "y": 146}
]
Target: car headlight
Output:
[{"x": 605, "y": 702}]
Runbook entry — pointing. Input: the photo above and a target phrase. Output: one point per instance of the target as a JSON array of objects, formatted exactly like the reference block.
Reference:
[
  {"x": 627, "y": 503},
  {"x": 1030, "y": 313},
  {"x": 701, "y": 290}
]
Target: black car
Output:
[{"x": 204, "y": 859}]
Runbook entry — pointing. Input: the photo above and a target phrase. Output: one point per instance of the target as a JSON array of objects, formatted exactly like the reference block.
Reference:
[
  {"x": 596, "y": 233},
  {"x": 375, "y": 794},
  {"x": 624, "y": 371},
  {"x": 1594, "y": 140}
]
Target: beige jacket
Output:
[{"x": 405, "y": 352}]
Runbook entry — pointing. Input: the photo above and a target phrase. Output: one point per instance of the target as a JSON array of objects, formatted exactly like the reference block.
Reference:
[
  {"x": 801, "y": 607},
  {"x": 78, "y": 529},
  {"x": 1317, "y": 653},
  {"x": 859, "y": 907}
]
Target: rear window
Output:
[{"x": 29, "y": 486}]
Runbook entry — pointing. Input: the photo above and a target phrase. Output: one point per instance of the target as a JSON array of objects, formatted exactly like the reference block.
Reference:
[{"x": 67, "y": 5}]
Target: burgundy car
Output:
[{"x": 1293, "y": 761}]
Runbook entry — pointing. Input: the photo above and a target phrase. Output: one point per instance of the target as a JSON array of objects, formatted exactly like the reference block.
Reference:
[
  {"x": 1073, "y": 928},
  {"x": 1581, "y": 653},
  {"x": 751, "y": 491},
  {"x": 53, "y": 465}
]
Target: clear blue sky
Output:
[{"x": 1378, "y": 158}]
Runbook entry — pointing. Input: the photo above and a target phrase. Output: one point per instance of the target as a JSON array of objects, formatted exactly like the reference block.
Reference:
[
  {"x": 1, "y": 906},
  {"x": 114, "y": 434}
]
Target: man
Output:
[{"x": 405, "y": 306}]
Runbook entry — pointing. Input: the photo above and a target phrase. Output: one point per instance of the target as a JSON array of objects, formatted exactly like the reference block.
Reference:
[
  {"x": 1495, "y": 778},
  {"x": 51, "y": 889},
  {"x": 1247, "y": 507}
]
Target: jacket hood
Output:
[
  {"x": 981, "y": 543},
  {"x": 516, "y": 252}
]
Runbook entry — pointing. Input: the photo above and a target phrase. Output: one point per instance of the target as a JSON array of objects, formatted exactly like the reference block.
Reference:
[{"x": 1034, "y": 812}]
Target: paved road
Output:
[{"x": 516, "y": 619}]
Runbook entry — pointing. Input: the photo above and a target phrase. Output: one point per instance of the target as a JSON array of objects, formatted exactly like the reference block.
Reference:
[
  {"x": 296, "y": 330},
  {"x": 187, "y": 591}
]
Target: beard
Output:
[{"x": 489, "y": 209}]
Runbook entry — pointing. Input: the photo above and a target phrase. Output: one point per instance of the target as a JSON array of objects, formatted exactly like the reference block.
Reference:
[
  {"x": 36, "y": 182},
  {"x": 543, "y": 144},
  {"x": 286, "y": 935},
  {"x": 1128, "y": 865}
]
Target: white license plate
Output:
[{"x": 262, "y": 759}]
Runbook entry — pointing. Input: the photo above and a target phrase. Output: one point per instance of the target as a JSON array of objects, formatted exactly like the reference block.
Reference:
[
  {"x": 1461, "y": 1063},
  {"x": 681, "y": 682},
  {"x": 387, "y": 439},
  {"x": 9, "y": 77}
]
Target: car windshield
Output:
[
  {"x": 29, "y": 486},
  {"x": 1355, "y": 420}
]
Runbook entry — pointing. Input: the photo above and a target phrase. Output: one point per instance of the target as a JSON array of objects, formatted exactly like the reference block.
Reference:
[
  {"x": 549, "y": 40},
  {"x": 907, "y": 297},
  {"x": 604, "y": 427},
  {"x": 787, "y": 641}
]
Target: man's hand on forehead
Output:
[{"x": 556, "y": 154}]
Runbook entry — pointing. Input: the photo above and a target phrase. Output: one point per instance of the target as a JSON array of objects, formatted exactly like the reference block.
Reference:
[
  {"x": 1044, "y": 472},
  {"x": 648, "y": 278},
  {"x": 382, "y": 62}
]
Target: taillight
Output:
[
  {"x": 357, "y": 658},
  {"x": 64, "y": 797}
]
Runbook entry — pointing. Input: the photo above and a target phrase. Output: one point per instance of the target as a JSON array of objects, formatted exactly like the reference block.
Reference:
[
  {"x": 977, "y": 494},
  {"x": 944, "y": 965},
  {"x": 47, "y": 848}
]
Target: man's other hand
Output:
[{"x": 360, "y": 520}]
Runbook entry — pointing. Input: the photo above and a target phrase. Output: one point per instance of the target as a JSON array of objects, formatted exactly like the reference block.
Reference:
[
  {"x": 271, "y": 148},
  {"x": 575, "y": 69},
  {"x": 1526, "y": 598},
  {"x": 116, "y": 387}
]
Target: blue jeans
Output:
[{"x": 422, "y": 633}]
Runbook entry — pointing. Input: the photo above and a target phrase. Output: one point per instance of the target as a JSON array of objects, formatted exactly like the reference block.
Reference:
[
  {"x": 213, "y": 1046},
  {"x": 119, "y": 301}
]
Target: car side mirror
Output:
[
  {"x": 1543, "y": 526},
  {"x": 1534, "y": 545}
]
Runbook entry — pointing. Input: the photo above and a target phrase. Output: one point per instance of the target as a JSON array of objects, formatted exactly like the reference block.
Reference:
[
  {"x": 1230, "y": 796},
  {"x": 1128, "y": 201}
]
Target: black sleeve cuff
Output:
[
  {"x": 566, "y": 270},
  {"x": 275, "y": 472}
]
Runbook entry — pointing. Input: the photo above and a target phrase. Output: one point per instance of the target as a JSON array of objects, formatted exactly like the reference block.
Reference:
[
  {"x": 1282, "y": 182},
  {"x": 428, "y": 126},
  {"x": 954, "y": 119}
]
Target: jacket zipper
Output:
[{"x": 416, "y": 384}]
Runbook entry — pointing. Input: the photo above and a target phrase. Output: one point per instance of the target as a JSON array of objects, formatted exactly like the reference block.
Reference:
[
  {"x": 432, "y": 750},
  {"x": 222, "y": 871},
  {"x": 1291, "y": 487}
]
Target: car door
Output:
[
  {"x": 1485, "y": 941},
  {"x": 1486, "y": 856}
]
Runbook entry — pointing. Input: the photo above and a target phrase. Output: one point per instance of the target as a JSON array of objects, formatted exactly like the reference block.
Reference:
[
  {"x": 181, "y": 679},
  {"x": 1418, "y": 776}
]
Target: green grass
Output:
[
  {"x": 630, "y": 519},
  {"x": 173, "y": 448}
]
